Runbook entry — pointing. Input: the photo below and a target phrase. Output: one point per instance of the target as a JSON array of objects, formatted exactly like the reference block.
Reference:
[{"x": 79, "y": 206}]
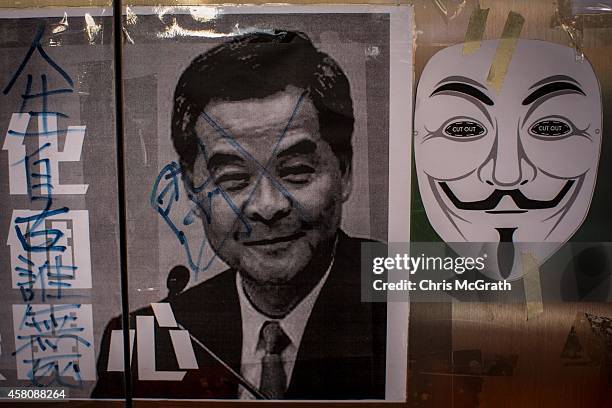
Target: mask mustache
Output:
[{"x": 523, "y": 202}]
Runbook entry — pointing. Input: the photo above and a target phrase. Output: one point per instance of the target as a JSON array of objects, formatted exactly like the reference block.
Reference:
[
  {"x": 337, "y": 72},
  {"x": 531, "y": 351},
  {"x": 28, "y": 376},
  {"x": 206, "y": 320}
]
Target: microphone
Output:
[
  {"x": 178, "y": 278},
  {"x": 241, "y": 380}
]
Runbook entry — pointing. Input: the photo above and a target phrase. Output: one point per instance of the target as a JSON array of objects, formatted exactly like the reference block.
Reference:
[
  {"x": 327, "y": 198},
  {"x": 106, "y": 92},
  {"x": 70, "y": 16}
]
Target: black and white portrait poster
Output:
[
  {"x": 263, "y": 145},
  {"x": 59, "y": 220}
]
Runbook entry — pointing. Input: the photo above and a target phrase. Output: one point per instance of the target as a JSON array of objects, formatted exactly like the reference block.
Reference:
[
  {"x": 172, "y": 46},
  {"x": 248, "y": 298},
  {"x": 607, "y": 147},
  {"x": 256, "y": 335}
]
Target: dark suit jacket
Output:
[{"x": 341, "y": 356}]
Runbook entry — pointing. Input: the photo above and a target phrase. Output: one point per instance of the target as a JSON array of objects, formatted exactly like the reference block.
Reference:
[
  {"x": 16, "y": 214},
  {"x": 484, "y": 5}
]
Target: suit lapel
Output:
[
  {"x": 338, "y": 332},
  {"x": 211, "y": 313}
]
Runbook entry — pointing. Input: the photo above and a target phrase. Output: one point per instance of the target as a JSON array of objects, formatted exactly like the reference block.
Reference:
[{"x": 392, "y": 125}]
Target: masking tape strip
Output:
[
  {"x": 533, "y": 289},
  {"x": 505, "y": 49},
  {"x": 475, "y": 30},
  {"x": 571, "y": 23}
]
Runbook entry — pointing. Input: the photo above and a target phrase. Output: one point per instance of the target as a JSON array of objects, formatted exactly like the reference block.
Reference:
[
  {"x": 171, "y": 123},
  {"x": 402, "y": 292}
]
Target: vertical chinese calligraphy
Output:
[{"x": 49, "y": 242}]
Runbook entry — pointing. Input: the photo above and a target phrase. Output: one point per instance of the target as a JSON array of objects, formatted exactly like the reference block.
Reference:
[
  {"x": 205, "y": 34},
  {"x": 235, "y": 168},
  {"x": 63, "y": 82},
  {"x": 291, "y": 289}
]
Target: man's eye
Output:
[
  {"x": 550, "y": 128},
  {"x": 296, "y": 174},
  {"x": 466, "y": 129},
  {"x": 233, "y": 181}
]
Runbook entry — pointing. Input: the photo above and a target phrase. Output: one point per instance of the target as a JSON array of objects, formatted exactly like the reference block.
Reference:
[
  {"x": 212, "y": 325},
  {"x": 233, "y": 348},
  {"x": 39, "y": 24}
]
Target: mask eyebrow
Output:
[
  {"x": 459, "y": 78},
  {"x": 218, "y": 160},
  {"x": 554, "y": 78},
  {"x": 464, "y": 89},
  {"x": 551, "y": 88}
]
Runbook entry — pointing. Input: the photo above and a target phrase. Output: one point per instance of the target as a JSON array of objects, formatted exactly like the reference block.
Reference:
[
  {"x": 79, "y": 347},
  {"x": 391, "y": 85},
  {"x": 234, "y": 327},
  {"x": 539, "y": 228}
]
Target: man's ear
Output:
[{"x": 346, "y": 180}]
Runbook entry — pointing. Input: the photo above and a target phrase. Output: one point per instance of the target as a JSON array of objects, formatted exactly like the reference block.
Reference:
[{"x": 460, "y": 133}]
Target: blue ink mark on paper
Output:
[
  {"x": 160, "y": 201},
  {"x": 36, "y": 46}
]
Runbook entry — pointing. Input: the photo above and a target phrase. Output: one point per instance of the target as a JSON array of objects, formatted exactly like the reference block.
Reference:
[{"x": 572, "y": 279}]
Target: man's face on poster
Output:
[
  {"x": 516, "y": 165},
  {"x": 275, "y": 189}
]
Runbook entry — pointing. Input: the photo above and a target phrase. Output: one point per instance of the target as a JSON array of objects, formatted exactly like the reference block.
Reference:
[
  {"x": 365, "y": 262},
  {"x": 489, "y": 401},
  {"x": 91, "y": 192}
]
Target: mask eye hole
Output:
[
  {"x": 464, "y": 129},
  {"x": 550, "y": 128}
]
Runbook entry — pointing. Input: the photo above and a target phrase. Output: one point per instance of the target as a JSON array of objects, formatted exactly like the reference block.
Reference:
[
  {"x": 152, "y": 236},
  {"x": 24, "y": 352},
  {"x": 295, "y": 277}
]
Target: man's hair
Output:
[{"x": 258, "y": 65}]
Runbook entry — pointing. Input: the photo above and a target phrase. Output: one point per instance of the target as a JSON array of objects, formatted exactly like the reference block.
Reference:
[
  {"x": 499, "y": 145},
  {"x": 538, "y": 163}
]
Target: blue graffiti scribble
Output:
[
  {"x": 30, "y": 231},
  {"x": 47, "y": 327},
  {"x": 52, "y": 369},
  {"x": 163, "y": 196},
  {"x": 52, "y": 326},
  {"x": 49, "y": 275},
  {"x": 36, "y": 46}
]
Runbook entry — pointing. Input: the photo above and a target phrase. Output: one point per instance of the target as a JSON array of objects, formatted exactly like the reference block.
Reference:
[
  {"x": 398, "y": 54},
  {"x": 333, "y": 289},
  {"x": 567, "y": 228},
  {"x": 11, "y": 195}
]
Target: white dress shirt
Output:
[{"x": 293, "y": 325}]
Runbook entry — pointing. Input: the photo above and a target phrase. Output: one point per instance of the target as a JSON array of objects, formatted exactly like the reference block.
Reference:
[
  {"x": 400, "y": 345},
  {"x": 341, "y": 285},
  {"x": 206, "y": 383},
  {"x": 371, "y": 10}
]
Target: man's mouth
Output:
[
  {"x": 274, "y": 240},
  {"x": 522, "y": 202}
]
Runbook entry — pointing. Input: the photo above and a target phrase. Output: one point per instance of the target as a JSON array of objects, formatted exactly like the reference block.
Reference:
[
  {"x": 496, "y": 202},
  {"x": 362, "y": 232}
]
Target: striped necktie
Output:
[{"x": 273, "y": 377}]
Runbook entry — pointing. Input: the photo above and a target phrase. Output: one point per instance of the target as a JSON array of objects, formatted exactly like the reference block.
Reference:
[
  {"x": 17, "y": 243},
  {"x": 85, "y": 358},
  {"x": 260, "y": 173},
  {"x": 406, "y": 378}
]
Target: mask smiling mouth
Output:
[
  {"x": 275, "y": 240},
  {"x": 523, "y": 202}
]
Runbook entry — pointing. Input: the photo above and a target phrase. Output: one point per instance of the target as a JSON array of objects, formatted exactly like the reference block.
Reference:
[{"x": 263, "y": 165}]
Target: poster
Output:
[
  {"x": 58, "y": 194},
  {"x": 267, "y": 140}
]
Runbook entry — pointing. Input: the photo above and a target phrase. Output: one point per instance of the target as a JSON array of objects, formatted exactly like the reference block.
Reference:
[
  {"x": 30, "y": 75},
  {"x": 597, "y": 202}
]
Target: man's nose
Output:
[
  {"x": 267, "y": 203},
  {"x": 507, "y": 164}
]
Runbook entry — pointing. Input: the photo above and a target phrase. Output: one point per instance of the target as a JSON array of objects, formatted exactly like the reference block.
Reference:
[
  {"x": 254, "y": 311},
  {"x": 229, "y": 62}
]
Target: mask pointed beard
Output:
[{"x": 505, "y": 251}]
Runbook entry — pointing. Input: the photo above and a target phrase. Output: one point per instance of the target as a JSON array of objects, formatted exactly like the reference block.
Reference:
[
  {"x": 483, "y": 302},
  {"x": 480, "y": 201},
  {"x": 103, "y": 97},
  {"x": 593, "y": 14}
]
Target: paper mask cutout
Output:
[{"x": 513, "y": 169}]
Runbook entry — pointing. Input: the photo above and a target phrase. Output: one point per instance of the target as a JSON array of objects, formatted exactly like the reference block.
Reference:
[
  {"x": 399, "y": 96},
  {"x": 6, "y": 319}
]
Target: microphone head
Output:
[{"x": 178, "y": 278}]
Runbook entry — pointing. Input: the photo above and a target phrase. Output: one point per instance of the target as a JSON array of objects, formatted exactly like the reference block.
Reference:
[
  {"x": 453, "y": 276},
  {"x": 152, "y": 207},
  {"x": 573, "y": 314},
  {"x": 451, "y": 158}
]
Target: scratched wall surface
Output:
[{"x": 60, "y": 280}]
